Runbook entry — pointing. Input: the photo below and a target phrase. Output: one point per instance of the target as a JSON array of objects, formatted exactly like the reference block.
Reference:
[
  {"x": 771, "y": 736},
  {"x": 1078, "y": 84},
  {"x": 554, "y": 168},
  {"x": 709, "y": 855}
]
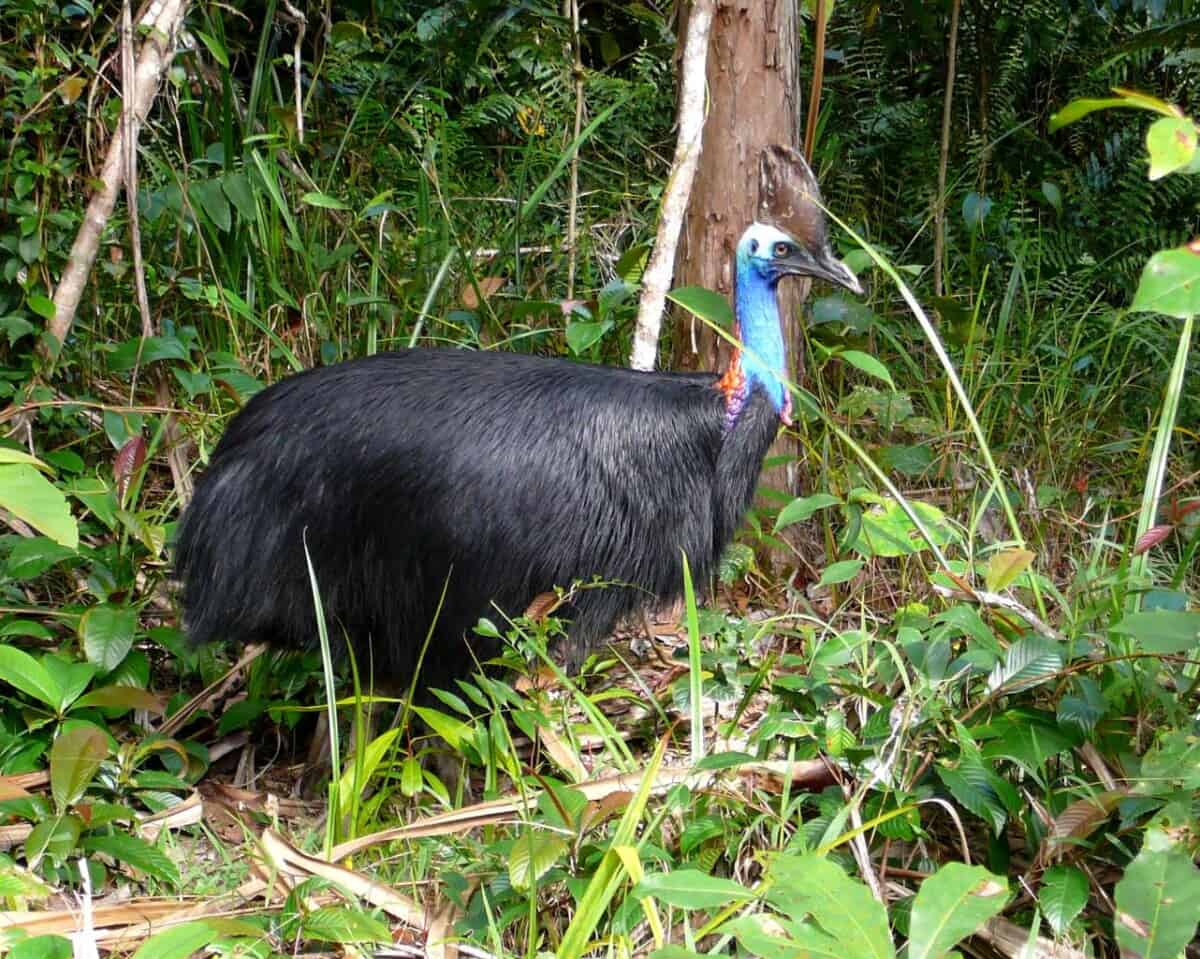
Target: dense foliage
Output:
[{"x": 951, "y": 691}]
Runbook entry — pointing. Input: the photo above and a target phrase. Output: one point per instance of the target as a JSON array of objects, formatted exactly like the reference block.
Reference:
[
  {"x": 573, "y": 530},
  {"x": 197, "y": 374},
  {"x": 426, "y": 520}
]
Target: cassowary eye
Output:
[
  {"x": 754, "y": 246},
  {"x": 782, "y": 249}
]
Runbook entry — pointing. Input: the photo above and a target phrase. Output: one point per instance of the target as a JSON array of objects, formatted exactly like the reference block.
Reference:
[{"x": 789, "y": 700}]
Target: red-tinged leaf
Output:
[
  {"x": 1185, "y": 508},
  {"x": 1152, "y": 537},
  {"x": 542, "y": 605},
  {"x": 130, "y": 459}
]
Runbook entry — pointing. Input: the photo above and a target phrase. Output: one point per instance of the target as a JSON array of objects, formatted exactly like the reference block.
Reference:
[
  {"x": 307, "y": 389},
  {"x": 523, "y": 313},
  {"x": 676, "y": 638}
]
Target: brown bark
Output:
[{"x": 754, "y": 101}]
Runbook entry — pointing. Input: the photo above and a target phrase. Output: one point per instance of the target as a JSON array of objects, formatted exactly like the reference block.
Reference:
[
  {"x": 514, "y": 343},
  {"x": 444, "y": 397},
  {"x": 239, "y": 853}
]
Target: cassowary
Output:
[{"x": 493, "y": 477}]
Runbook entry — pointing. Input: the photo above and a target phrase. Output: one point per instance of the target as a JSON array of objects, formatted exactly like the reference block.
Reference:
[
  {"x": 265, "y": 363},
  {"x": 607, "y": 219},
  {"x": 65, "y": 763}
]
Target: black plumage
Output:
[
  {"x": 505, "y": 474},
  {"x": 495, "y": 476}
]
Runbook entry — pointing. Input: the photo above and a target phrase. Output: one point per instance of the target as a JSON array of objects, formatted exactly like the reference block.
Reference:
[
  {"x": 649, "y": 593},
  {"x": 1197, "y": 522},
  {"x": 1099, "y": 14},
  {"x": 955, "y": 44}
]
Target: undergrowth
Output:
[{"x": 951, "y": 691}]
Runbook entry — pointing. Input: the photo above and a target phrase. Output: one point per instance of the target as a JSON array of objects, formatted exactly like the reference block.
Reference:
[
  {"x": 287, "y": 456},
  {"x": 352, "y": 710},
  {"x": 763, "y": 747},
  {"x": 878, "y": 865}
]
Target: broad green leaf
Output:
[
  {"x": 1161, "y": 631},
  {"x": 344, "y": 924},
  {"x": 1158, "y": 900},
  {"x": 324, "y": 201},
  {"x": 211, "y": 199},
  {"x": 178, "y": 942},
  {"x": 71, "y": 678},
  {"x": 121, "y": 697},
  {"x": 19, "y": 669},
  {"x": 1053, "y": 194},
  {"x": 55, "y": 837},
  {"x": 1170, "y": 283},
  {"x": 812, "y": 886},
  {"x": 135, "y": 852},
  {"x": 705, "y": 304},
  {"x": 798, "y": 510},
  {"x": 1004, "y": 567},
  {"x": 74, "y": 759},
  {"x": 1029, "y": 661},
  {"x": 532, "y": 855},
  {"x": 840, "y": 572},
  {"x": 951, "y": 905},
  {"x": 237, "y": 189},
  {"x": 42, "y": 305},
  {"x": 42, "y": 947},
  {"x": 691, "y": 889},
  {"x": 1172, "y": 145},
  {"x": 582, "y": 335},
  {"x": 1062, "y": 897},
  {"x": 454, "y": 731},
  {"x": 770, "y": 937},
  {"x": 107, "y": 634},
  {"x": 8, "y": 455},
  {"x": 27, "y": 494},
  {"x": 868, "y": 364}
]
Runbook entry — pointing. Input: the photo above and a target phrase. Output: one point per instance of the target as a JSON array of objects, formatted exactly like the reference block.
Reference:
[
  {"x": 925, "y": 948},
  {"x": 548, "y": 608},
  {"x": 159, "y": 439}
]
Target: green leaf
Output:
[
  {"x": 798, "y": 510},
  {"x": 868, "y": 364},
  {"x": 1161, "y": 631},
  {"x": 453, "y": 730},
  {"x": 8, "y": 455},
  {"x": 951, "y": 905},
  {"x": 1029, "y": 661},
  {"x": 843, "y": 907},
  {"x": 1170, "y": 283},
  {"x": 107, "y": 634},
  {"x": 74, "y": 759},
  {"x": 237, "y": 189},
  {"x": 135, "y": 852},
  {"x": 211, "y": 199},
  {"x": 215, "y": 48},
  {"x": 71, "y": 678},
  {"x": 691, "y": 889},
  {"x": 1078, "y": 109},
  {"x": 43, "y": 306},
  {"x": 1053, "y": 195},
  {"x": 42, "y": 947},
  {"x": 344, "y": 924},
  {"x": 705, "y": 304},
  {"x": 324, "y": 201},
  {"x": 532, "y": 855},
  {"x": 19, "y": 669},
  {"x": 1062, "y": 897},
  {"x": 1004, "y": 567},
  {"x": 1158, "y": 900},
  {"x": 769, "y": 937},
  {"x": 31, "y": 557},
  {"x": 1172, "y": 145},
  {"x": 178, "y": 942},
  {"x": 840, "y": 572},
  {"x": 27, "y": 494},
  {"x": 582, "y": 335}
]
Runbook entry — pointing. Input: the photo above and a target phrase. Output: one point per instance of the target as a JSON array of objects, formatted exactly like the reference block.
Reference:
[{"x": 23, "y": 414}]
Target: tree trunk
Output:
[{"x": 754, "y": 101}]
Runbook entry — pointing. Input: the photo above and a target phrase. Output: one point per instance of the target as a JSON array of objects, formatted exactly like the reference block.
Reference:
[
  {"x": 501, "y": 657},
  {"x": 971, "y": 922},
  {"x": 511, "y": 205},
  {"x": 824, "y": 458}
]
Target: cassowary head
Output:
[{"x": 772, "y": 254}]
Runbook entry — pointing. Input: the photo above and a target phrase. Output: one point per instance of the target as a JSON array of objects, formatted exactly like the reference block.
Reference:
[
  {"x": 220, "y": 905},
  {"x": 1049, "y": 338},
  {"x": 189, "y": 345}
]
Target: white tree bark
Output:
[
  {"x": 153, "y": 60},
  {"x": 657, "y": 278}
]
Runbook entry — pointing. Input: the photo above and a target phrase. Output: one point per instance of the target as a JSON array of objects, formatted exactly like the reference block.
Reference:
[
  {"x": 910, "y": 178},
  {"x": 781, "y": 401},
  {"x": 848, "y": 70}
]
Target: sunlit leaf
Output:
[
  {"x": 1170, "y": 283},
  {"x": 1062, "y": 897},
  {"x": 1005, "y": 566},
  {"x": 28, "y": 495},
  {"x": 1158, "y": 900},
  {"x": 691, "y": 889},
  {"x": 951, "y": 905},
  {"x": 1171, "y": 142}
]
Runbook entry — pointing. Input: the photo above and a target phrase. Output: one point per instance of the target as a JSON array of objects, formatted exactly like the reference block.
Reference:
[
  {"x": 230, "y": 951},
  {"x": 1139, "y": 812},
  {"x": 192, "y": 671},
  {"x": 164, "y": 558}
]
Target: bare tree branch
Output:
[
  {"x": 155, "y": 57},
  {"x": 659, "y": 270}
]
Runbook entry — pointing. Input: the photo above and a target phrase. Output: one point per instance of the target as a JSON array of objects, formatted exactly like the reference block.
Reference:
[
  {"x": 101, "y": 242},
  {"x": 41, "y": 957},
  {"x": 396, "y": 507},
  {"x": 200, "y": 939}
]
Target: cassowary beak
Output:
[{"x": 821, "y": 265}]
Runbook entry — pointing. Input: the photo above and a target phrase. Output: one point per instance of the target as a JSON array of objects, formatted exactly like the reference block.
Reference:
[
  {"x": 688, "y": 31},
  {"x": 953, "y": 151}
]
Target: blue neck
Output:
[{"x": 764, "y": 360}]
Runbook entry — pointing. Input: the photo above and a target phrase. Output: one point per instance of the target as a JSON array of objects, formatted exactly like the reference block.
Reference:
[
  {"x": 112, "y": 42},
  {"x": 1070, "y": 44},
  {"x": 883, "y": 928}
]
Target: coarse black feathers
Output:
[
  {"x": 496, "y": 475},
  {"x": 493, "y": 477}
]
